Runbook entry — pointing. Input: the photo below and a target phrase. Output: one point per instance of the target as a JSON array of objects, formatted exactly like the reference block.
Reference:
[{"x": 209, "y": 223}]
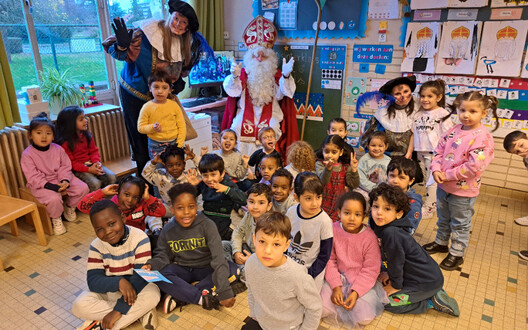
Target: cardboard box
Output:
[{"x": 33, "y": 108}]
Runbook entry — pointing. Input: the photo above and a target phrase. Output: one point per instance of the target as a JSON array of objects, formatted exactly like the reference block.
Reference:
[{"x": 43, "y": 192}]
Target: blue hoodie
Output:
[
  {"x": 408, "y": 265},
  {"x": 415, "y": 213}
]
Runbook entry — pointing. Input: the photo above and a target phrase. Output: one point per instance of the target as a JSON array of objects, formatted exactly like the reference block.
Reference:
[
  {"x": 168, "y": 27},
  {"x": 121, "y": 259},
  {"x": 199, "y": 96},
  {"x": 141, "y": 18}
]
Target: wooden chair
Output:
[{"x": 14, "y": 208}]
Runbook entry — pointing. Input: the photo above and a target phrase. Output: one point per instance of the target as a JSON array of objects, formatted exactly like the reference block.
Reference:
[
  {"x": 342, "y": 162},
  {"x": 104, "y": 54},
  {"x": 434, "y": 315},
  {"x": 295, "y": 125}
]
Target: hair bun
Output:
[{"x": 41, "y": 115}]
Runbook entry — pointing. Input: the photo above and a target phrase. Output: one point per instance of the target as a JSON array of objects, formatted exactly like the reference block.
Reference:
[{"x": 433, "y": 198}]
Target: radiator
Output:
[{"x": 109, "y": 133}]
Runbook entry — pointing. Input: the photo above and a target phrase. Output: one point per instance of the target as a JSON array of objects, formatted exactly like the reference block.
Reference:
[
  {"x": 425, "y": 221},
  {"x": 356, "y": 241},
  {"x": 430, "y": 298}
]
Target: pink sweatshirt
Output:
[
  {"x": 463, "y": 155},
  {"x": 41, "y": 167},
  {"x": 357, "y": 257}
]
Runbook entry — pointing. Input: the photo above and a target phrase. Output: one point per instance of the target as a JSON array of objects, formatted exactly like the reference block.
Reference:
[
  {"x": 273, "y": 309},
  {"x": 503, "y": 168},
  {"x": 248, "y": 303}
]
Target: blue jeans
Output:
[
  {"x": 454, "y": 220},
  {"x": 157, "y": 147}
]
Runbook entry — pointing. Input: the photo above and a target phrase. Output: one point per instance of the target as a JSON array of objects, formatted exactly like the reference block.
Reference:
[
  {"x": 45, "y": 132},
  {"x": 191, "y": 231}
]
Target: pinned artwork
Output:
[
  {"x": 421, "y": 47},
  {"x": 502, "y": 48},
  {"x": 524, "y": 69},
  {"x": 428, "y": 4},
  {"x": 459, "y": 47},
  {"x": 315, "y": 105},
  {"x": 508, "y": 3},
  {"x": 467, "y": 3}
]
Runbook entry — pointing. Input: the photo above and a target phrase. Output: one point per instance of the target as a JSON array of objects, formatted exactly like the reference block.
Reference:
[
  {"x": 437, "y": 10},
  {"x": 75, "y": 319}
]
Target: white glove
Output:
[
  {"x": 287, "y": 68},
  {"x": 236, "y": 69}
]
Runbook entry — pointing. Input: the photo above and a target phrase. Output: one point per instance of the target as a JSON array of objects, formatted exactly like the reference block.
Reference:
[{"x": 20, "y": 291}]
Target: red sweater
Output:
[
  {"x": 134, "y": 217},
  {"x": 82, "y": 153}
]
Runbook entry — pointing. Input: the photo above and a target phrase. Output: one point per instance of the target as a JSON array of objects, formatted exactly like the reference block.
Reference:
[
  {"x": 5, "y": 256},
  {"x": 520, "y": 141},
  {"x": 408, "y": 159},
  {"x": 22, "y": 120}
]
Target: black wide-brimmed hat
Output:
[
  {"x": 186, "y": 10},
  {"x": 389, "y": 85}
]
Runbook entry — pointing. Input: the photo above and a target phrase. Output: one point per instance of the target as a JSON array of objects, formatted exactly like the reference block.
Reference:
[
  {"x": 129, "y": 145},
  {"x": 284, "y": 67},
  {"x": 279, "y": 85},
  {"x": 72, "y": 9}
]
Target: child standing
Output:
[
  {"x": 351, "y": 293},
  {"x": 281, "y": 188},
  {"x": 338, "y": 126},
  {"x": 413, "y": 280},
  {"x": 268, "y": 165},
  {"x": 300, "y": 158},
  {"x": 164, "y": 178},
  {"x": 401, "y": 172},
  {"x": 372, "y": 167},
  {"x": 161, "y": 119},
  {"x": 268, "y": 140},
  {"x": 517, "y": 143},
  {"x": 118, "y": 296},
  {"x": 241, "y": 245},
  {"x": 47, "y": 169},
  {"x": 311, "y": 227},
  {"x": 219, "y": 193},
  {"x": 430, "y": 123},
  {"x": 73, "y": 135},
  {"x": 337, "y": 170},
  {"x": 189, "y": 249},
  {"x": 132, "y": 197},
  {"x": 462, "y": 154},
  {"x": 280, "y": 293}
]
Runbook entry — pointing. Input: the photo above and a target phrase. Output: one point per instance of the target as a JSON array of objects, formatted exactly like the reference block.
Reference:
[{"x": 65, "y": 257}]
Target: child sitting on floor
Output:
[
  {"x": 401, "y": 172},
  {"x": 338, "y": 126},
  {"x": 47, "y": 169},
  {"x": 241, "y": 245},
  {"x": 118, "y": 296},
  {"x": 300, "y": 157},
  {"x": 132, "y": 196},
  {"x": 268, "y": 165},
  {"x": 281, "y": 295},
  {"x": 281, "y": 188},
  {"x": 164, "y": 178},
  {"x": 268, "y": 140},
  {"x": 189, "y": 249},
  {"x": 413, "y": 280},
  {"x": 219, "y": 193},
  {"x": 351, "y": 294}
]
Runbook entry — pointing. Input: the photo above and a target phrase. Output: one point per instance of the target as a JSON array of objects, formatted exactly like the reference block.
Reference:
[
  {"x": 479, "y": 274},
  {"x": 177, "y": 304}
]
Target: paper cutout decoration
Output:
[
  {"x": 466, "y": 3},
  {"x": 502, "y": 48},
  {"x": 315, "y": 105},
  {"x": 459, "y": 47},
  {"x": 421, "y": 47},
  {"x": 428, "y": 4},
  {"x": 355, "y": 87},
  {"x": 508, "y": 3}
]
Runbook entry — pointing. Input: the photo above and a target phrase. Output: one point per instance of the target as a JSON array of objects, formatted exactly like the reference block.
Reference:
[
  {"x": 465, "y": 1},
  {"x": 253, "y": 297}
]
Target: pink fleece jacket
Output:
[
  {"x": 357, "y": 257},
  {"x": 463, "y": 155}
]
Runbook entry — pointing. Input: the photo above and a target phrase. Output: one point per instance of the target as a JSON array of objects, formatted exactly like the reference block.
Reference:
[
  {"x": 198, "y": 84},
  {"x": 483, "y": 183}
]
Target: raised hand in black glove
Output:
[{"x": 123, "y": 35}]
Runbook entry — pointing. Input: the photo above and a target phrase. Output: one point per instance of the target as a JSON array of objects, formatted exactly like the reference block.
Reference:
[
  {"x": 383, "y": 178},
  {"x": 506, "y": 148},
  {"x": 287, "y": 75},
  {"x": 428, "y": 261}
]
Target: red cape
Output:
[{"x": 288, "y": 126}]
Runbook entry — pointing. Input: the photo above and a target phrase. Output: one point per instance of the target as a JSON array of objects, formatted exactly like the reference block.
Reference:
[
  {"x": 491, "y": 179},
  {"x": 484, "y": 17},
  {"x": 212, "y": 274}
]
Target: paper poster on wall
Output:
[
  {"x": 508, "y": 3},
  {"x": 467, "y": 3},
  {"x": 421, "y": 47},
  {"x": 384, "y": 9},
  {"x": 288, "y": 14},
  {"x": 428, "y": 4},
  {"x": 502, "y": 48},
  {"x": 458, "y": 47},
  {"x": 315, "y": 106},
  {"x": 270, "y": 4},
  {"x": 353, "y": 89},
  {"x": 524, "y": 69}
]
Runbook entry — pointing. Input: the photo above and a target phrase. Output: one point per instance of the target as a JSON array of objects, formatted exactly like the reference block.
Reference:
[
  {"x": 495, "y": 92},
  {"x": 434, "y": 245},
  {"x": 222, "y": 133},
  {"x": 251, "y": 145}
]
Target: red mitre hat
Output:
[
  {"x": 260, "y": 32},
  {"x": 507, "y": 33},
  {"x": 460, "y": 32}
]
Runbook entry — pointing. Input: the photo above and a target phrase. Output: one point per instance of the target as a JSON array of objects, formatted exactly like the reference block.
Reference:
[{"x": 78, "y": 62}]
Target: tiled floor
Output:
[{"x": 39, "y": 283}]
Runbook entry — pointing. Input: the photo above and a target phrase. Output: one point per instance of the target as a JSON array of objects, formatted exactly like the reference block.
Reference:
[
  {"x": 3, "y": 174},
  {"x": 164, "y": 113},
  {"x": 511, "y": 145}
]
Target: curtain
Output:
[
  {"x": 8, "y": 102},
  {"x": 211, "y": 17}
]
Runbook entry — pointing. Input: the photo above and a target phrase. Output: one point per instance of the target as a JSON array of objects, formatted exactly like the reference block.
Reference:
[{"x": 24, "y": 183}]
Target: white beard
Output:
[
  {"x": 505, "y": 49},
  {"x": 422, "y": 48},
  {"x": 261, "y": 77}
]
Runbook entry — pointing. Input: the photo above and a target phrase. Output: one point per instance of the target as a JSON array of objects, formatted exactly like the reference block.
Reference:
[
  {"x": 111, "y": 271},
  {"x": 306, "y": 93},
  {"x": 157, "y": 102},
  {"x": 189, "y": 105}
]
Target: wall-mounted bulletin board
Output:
[
  {"x": 298, "y": 18},
  {"x": 480, "y": 48},
  {"x": 326, "y": 92}
]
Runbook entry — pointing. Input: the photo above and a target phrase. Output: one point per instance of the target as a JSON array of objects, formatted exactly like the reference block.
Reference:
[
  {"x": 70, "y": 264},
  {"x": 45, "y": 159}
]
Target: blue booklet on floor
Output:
[{"x": 151, "y": 275}]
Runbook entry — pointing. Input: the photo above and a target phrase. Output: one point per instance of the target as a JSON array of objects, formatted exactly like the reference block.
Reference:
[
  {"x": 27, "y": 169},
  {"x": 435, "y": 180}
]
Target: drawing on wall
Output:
[
  {"x": 508, "y": 3},
  {"x": 315, "y": 106},
  {"x": 421, "y": 47},
  {"x": 428, "y": 4},
  {"x": 458, "y": 47},
  {"x": 502, "y": 48},
  {"x": 524, "y": 69},
  {"x": 355, "y": 87},
  {"x": 467, "y": 3}
]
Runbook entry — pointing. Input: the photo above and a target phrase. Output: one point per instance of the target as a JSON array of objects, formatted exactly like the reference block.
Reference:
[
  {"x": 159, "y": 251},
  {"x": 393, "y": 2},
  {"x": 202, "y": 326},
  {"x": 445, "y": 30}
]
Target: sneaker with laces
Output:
[
  {"x": 69, "y": 213},
  {"x": 149, "y": 321},
  {"x": 58, "y": 226},
  {"x": 210, "y": 301},
  {"x": 427, "y": 212},
  {"x": 445, "y": 304},
  {"x": 169, "y": 304},
  {"x": 523, "y": 254},
  {"x": 522, "y": 221}
]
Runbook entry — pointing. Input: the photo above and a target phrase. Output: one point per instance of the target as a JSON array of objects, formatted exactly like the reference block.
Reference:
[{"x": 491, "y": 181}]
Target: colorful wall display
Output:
[
  {"x": 459, "y": 47},
  {"x": 421, "y": 47}
]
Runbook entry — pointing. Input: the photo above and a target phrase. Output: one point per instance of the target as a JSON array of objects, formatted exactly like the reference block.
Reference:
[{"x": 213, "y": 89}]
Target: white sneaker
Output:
[
  {"x": 427, "y": 212},
  {"x": 522, "y": 221},
  {"x": 149, "y": 321},
  {"x": 58, "y": 226},
  {"x": 69, "y": 213}
]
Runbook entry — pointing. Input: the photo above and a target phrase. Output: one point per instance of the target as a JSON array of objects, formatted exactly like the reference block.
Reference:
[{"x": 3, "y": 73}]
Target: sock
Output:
[{"x": 200, "y": 301}]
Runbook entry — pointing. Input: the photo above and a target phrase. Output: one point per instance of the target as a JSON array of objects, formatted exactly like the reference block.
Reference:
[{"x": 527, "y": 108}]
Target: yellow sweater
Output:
[{"x": 169, "y": 116}]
